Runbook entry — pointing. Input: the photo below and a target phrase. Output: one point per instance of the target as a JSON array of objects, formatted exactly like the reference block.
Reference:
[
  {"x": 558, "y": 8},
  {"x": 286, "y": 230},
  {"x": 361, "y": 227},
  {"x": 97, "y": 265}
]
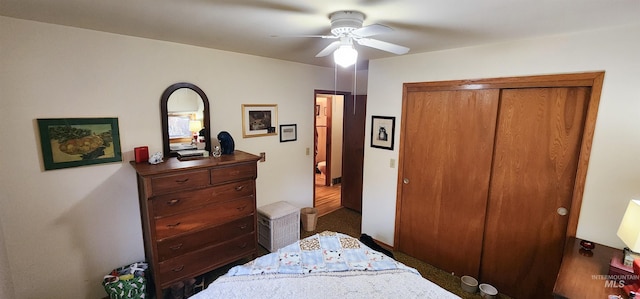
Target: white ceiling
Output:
[{"x": 248, "y": 26}]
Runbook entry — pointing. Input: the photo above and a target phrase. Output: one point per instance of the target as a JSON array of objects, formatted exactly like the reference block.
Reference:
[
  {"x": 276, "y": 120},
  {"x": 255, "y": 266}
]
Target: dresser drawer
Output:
[
  {"x": 172, "y": 247},
  {"x": 206, "y": 216},
  {"x": 233, "y": 173},
  {"x": 174, "y": 203},
  {"x": 203, "y": 260},
  {"x": 181, "y": 181}
]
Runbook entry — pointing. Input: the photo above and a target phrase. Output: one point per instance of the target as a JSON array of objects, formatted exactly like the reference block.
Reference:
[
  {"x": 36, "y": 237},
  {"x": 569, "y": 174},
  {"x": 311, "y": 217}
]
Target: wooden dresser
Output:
[{"x": 197, "y": 215}]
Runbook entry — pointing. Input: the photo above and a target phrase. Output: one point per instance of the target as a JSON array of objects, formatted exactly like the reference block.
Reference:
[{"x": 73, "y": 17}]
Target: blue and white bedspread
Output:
[{"x": 325, "y": 265}]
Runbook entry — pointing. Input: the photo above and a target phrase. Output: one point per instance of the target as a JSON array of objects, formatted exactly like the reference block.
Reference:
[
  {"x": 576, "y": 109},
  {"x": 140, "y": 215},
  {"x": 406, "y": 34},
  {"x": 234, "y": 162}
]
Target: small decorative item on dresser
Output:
[
  {"x": 217, "y": 151},
  {"x": 156, "y": 158},
  {"x": 192, "y": 154},
  {"x": 141, "y": 153},
  {"x": 587, "y": 245},
  {"x": 226, "y": 143},
  {"x": 586, "y": 248}
]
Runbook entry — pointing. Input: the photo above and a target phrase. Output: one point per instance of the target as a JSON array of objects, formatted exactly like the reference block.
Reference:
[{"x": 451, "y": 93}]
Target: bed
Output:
[{"x": 325, "y": 265}]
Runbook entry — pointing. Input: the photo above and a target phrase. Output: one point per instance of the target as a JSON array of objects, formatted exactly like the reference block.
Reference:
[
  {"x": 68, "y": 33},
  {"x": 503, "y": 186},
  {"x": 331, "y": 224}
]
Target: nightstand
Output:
[{"x": 584, "y": 274}]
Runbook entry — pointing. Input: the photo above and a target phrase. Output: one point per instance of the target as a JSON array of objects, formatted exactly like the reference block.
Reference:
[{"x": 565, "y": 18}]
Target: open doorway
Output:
[
  {"x": 328, "y": 126},
  {"x": 338, "y": 181}
]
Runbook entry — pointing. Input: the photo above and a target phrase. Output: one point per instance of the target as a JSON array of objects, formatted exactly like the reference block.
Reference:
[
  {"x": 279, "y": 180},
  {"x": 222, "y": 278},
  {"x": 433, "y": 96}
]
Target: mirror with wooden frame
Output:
[{"x": 184, "y": 112}]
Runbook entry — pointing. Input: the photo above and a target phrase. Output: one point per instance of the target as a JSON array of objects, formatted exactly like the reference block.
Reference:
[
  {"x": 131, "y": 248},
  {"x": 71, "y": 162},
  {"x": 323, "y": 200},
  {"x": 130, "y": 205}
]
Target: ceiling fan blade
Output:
[
  {"x": 384, "y": 46},
  {"x": 373, "y": 29},
  {"x": 329, "y": 49},
  {"x": 304, "y": 35}
]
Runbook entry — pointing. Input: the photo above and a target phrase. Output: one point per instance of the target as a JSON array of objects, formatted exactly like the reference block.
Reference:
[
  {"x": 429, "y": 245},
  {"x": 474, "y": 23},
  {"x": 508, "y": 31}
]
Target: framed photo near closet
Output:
[{"x": 382, "y": 131}]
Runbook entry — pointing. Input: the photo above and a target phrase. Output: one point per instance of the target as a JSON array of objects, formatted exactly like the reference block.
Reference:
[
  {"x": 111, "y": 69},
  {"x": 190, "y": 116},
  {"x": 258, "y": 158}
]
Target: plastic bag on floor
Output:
[{"x": 127, "y": 282}]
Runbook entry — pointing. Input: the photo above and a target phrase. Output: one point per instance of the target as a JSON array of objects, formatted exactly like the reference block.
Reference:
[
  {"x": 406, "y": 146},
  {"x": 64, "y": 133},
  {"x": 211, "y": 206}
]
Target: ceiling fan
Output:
[{"x": 346, "y": 26}]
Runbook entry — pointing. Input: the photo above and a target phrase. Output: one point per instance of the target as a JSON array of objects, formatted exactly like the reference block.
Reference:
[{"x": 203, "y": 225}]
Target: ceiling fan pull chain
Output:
[
  {"x": 355, "y": 80},
  {"x": 335, "y": 78}
]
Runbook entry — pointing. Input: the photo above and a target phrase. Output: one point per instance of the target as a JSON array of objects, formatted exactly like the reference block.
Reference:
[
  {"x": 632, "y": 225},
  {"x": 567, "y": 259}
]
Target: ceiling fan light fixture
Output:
[{"x": 345, "y": 56}]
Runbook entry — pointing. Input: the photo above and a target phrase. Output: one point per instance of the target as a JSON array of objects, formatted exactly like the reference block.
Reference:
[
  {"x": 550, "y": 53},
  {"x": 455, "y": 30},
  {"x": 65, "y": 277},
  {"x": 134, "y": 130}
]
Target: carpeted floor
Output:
[{"x": 348, "y": 222}]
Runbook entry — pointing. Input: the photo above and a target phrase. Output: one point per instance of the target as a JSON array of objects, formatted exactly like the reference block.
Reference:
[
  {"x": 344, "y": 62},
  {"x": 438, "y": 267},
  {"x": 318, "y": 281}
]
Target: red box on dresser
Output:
[{"x": 618, "y": 271}]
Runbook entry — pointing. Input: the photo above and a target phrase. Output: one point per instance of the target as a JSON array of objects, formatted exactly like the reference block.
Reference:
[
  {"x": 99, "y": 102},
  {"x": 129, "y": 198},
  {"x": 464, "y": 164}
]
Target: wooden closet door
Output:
[
  {"x": 537, "y": 146},
  {"x": 446, "y": 160}
]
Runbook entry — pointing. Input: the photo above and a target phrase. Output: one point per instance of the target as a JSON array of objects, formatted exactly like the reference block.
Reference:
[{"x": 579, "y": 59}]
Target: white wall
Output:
[
  {"x": 6, "y": 283},
  {"x": 614, "y": 170},
  {"x": 64, "y": 229}
]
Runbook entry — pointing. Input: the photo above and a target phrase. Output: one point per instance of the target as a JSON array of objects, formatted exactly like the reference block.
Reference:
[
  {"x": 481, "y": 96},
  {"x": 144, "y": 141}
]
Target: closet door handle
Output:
[
  {"x": 562, "y": 211},
  {"x": 405, "y": 180}
]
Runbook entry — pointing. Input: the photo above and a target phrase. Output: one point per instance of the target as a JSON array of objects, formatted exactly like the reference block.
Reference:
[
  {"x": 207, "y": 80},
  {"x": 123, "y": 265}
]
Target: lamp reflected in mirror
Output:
[{"x": 195, "y": 126}]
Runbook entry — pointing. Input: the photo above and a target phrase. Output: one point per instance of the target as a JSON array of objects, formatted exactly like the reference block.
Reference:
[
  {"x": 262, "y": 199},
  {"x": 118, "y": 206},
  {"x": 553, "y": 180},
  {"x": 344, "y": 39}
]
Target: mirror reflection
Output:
[{"x": 185, "y": 119}]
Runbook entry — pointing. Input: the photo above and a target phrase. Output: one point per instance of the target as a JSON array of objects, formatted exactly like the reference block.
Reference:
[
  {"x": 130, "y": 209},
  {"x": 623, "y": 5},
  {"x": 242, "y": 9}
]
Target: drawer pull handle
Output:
[
  {"x": 235, "y": 172},
  {"x": 178, "y": 269},
  {"x": 182, "y": 181},
  {"x": 173, "y": 225},
  {"x": 176, "y": 247},
  {"x": 241, "y": 208},
  {"x": 239, "y": 188},
  {"x": 173, "y": 202},
  {"x": 243, "y": 245},
  {"x": 242, "y": 227}
]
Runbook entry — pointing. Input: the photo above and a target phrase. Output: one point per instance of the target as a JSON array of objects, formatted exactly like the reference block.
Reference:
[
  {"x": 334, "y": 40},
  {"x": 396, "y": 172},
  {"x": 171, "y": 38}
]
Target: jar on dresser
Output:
[{"x": 197, "y": 215}]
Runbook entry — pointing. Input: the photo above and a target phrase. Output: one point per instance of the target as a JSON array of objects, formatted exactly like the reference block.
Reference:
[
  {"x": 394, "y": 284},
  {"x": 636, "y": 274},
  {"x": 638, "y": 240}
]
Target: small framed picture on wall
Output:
[
  {"x": 288, "y": 133},
  {"x": 382, "y": 131}
]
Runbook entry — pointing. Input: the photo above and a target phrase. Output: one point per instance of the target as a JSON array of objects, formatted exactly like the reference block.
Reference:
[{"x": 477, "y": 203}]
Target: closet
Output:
[{"x": 491, "y": 175}]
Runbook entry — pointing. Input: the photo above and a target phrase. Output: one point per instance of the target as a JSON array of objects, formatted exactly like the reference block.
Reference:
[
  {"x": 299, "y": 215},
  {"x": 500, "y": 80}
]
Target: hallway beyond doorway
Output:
[{"x": 327, "y": 197}]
